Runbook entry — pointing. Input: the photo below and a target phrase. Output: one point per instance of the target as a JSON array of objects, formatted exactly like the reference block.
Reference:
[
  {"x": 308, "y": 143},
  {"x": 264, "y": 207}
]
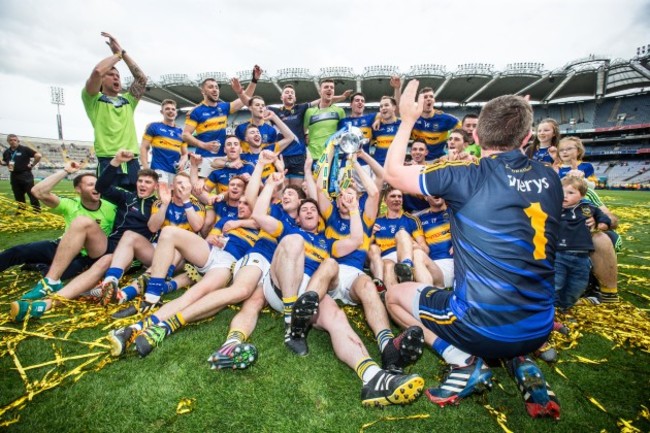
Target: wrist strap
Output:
[{"x": 188, "y": 205}]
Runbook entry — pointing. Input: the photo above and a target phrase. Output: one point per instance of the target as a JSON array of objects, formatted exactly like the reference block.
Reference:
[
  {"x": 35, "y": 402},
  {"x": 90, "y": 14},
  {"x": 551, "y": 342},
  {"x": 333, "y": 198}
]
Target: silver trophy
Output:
[{"x": 351, "y": 140}]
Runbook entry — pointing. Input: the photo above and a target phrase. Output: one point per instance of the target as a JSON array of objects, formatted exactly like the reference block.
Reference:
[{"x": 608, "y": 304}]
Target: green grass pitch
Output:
[{"x": 318, "y": 393}]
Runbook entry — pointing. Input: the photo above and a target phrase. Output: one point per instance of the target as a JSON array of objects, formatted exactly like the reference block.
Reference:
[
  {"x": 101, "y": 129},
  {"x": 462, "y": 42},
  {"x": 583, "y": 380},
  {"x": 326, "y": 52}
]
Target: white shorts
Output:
[
  {"x": 391, "y": 256},
  {"x": 205, "y": 169},
  {"x": 272, "y": 297},
  {"x": 347, "y": 275},
  {"x": 218, "y": 258},
  {"x": 447, "y": 268},
  {"x": 253, "y": 259},
  {"x": 165, "y": 177}
]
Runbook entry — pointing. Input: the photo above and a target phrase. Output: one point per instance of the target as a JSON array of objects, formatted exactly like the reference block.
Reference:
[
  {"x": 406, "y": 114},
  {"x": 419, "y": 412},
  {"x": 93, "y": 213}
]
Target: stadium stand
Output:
[
  {"x": 56, "y": 152},
  {"x": 629, "y": 110},
  {"x": 605, "y": 102}
]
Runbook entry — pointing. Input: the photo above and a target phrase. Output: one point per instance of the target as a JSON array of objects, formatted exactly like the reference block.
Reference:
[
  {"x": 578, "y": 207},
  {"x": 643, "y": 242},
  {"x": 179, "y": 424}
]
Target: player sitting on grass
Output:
[
  {"x": 505, "y": 220},
  {"x": 133, "y": 212}
]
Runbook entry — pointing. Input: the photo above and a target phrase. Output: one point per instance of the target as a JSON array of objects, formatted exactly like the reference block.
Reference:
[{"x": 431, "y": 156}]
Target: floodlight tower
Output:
[{"x": 58, "y": 99}]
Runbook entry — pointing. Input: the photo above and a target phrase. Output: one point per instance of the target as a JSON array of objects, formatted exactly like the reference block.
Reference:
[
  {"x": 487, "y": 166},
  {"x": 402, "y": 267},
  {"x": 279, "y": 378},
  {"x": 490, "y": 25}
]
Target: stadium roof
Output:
[{"x": 592, "y": 77}]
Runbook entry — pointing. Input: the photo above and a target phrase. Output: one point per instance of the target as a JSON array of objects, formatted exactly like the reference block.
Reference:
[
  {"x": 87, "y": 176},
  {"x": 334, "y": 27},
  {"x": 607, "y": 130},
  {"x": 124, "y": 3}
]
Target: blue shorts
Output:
[
  {"x": 616, "y": 240},
  {"x": 295, "y": 166},
  {"x": 432, "y": 309}
]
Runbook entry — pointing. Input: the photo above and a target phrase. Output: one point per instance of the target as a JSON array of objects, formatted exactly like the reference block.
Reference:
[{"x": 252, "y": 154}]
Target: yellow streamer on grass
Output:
[
  {"x": 29, "y": 220},
  {"x": 627, "y": 326},
  {"x": 59, "y": 361},
  {"x": 644, "y": 413},
  {"x": 186, "y": 405},
  {"x": 391, "y": 419},
  {"x": 500, "y": 417},
  {"x": 596, "y": 403},
  {"x": 626, "y": 426},
  {"x": 8, "y": 422}
]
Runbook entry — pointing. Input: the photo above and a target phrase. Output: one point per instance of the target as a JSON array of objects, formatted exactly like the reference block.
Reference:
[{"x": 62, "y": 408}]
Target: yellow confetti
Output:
[
  {"x": 623, "y": 323},
  {"x": 644, "y": 413},
  {"x": 584, "y": 360},
  {"x": 44, "y": 336},
  {"x": 500, "y": 417},
  {"x": 626, "y": 326},
  {"x": 10, "y": 421},
  {"x": 626, "y": 426},
  {"x": 186, "y": 405},
  {"x": 392, "y": 418},
  {"x": 596, "y": 403},
  {"x": 60, "y": 360},
  {"x": 558, "y": 371}
]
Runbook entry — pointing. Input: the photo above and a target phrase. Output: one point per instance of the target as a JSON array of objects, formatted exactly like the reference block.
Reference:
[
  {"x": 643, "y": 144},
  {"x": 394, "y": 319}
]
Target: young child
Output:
[
  {"x": 544, "y": 147},
  {"x": 569, "y": 162},
  {"x": 572, "y": 263}
]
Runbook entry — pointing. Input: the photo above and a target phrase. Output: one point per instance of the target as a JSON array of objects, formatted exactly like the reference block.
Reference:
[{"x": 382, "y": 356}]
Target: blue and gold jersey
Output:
[
  {"x": 388, "y": 228},
  {"x": 210, "y": 125},
  {"x": 437, "y": 233},
  {"x": 240, "y": 240},
  {"x": 382, "y": 139},
  {"x": 584, "y": 167},
  {"x": 542, "y": 155},
  {"x": 225, "y": 211},
  {"x": 220, "y": 178},
  {"x": 338, "y": 227},
  {"x": 505, "y": 214},
  {"x": 175, "y": 214},
  {"x": 364, "y": 123},
  {"x": 253, "y": 157},
  {"x": 268, "y": 133},
  {"x": 268, "y": 242},
  {"x": 317, "y": 246},
  {"x": 435, "y": 131},
  {"x": 166, "y": 145}
]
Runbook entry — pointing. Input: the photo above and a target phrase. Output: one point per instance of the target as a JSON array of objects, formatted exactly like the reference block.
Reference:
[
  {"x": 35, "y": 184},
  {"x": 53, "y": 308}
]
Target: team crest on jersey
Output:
[
  {"x": 586, "y": 211},
  {"x": 177, "y": 215},
  {"x": 116, "y": 102}
]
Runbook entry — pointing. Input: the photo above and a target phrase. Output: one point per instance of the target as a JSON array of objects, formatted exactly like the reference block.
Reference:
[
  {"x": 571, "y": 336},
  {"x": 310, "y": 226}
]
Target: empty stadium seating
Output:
[
  {"x": 629, "y": 110},
  {"x": 56, "y": 152}
]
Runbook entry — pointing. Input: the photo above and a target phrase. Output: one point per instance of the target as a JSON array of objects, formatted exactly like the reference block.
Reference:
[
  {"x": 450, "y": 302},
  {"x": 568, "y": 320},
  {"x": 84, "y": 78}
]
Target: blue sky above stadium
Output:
[{"x": 45, "y": 43}]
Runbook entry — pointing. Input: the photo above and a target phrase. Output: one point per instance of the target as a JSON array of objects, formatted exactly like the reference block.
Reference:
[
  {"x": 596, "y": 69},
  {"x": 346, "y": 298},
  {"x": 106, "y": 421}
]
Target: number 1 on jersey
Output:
[{"x": 537, "y": 222}]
